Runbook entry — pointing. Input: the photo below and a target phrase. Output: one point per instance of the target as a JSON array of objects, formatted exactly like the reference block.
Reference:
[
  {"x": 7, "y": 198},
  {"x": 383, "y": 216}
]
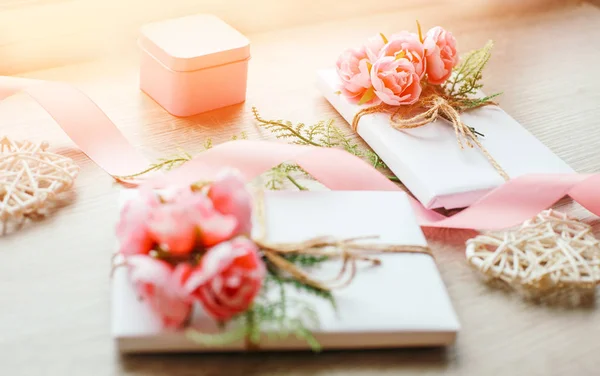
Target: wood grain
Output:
[{"x": 54, "y": 274}]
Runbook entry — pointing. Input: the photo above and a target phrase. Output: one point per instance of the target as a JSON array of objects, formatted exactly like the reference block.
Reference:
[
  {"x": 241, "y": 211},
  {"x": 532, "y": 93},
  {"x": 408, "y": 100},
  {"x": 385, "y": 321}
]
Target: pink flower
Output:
[
  {"x": 230, "y": 196},
  {"x": 353, "y": 67},
  {"x": 441, "y": 55},
  {"x": 177, "y": 223},
  {"x": 161, "y": 287},
  {"x": 373, "y": 46},
  {"x": 214, "y": 227},
  {"x": 395, "y": 81},
  {"x": 407, "y": 45},
  {"x": 172, "y": 229},
  {"x": 229, "y": 277},
  {"x": 187, "y": 220},
  {"x": 132, "y": 230}
]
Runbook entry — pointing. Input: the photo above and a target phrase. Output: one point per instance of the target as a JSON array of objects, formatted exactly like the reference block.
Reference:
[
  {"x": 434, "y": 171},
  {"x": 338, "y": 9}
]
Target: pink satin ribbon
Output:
[
  {"x": 90, "y": 129},
  {"x": 83, "y": 121}
]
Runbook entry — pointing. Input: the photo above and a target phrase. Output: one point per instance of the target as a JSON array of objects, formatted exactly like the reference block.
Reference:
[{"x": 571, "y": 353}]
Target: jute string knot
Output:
[
  {"x": 349, "y": 250},
  {"x": 432, "y": 105}
]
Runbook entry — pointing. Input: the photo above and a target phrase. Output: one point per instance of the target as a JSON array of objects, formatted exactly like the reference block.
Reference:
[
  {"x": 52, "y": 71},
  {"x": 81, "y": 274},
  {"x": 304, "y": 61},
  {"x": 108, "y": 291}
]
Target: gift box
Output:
[
  {"x": 400, "y": 303},
  {"x": 193, "y": 64},
  {"x": 429, "y": 161}
]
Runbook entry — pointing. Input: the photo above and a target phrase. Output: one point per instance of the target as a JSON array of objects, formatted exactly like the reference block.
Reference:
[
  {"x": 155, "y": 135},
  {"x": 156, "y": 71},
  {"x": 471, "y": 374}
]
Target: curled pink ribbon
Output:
[
  {"x": 90, "y": 129},
  {"x": 83, "y": 121}
]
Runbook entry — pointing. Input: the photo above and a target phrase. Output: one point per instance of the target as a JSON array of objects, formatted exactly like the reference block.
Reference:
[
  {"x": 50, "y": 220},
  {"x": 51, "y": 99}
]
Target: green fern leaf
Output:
[
  {"x": 467, "y": 75},
  {"x": 305, "y": 260},
  {"x": 217, "y": 339}
]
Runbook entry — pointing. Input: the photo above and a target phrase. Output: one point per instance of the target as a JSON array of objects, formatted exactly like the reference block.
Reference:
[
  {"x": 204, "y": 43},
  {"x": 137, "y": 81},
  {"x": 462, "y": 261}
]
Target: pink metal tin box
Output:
[{"x": 193, "y": 64}]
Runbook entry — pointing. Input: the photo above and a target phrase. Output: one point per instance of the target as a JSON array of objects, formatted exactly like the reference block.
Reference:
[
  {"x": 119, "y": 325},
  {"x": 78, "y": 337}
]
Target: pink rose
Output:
[
  {"x": 132, "y": 230},
  {"x": 229, "y": 277},
  {"x": 230, "y": 197},
  {"x": 409, "y": 46},
  {"x": 353, "y": 67},
  {"x": 395, "y": 81},
  {"x": 187, "y": 220},
  {"x": 441, "y": 55},
  {"x": 177, "y": 224},
  {"x": 172, "y": 228},
  {"x": 161, "y": 286},
  {"x": 212, "y": 226}
]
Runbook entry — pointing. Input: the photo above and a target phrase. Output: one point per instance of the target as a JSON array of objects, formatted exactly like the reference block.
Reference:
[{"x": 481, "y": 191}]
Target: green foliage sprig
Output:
[
  {"x": 466, "y": 79},
  {"x": 305, "y": 260},
  {"x": 178, "y": 159},
  {"x": 279, "y": 317},
  {"x": 276, "y": 176},
  {"x": 321, "y": 134},
  {"x": 300, "y": 134},
  {"x": 162, "y": 164}
]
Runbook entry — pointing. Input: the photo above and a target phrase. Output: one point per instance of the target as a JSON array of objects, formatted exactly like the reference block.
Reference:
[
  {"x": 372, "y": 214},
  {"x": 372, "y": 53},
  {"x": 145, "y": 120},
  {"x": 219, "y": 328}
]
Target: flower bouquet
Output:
[
  {"x": 395, "y": 70},
  {"x": 174, "y": 262}
]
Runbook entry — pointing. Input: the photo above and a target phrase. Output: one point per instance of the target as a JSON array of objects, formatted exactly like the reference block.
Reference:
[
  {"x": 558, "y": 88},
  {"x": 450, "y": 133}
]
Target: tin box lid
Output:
[{"x": 194, "y": 42}]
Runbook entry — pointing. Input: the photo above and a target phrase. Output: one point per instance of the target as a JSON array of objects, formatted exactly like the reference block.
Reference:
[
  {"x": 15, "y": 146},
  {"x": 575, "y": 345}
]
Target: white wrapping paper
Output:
[
  {"x": 402, "y": 302},
  {"x": 429, "y": 161}
]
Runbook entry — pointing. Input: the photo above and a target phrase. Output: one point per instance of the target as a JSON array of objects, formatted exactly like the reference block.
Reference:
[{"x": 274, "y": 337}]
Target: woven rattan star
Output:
[
  {"x": 30, "y": 179},
  {"x": 550, "y": 253}
]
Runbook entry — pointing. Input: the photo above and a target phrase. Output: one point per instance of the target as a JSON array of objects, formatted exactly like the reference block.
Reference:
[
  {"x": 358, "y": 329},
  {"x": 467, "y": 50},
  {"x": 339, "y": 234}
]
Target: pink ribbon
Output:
[
  {"x": 90, "y": 129},
  {"x": 83, "y": 121}
]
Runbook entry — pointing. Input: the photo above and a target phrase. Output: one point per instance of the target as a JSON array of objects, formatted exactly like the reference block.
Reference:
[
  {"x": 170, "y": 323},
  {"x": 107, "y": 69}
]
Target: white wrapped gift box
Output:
[
  {"x": 429, "y": 161},
  {"x": 401, "y": 303}
]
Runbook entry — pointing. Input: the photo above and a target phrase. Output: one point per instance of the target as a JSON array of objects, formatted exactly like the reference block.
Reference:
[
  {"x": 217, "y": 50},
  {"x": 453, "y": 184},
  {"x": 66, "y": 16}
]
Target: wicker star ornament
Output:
[
  {"x": 30, "y": 179},
  {"x": 547, "y": 254}
]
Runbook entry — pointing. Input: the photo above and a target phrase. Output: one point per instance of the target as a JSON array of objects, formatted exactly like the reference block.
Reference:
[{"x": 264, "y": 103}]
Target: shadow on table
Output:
[{"x": 365, "y": 362}]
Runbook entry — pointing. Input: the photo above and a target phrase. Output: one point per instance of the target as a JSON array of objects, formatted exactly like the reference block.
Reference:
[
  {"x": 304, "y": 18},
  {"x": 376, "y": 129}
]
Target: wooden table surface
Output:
[{"x": 54, "y": 274}]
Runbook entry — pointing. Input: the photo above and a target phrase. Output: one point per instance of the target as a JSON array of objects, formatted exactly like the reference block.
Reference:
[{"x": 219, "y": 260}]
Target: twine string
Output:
[
  {"x": 349, "y": 250},
  {"x": 433, "y": 106}
]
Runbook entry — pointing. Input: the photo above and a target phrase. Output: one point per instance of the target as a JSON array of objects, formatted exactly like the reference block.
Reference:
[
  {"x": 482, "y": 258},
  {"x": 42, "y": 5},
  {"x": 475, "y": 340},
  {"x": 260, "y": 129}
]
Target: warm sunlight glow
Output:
[{"x": 35, "y": 34}]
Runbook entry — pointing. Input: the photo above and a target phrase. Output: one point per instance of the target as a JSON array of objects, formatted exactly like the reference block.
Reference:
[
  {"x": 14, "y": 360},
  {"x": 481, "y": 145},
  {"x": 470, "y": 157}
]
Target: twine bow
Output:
[
  {"x": 350, "y": 250},
  {"x": 433, "y": 105}
]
